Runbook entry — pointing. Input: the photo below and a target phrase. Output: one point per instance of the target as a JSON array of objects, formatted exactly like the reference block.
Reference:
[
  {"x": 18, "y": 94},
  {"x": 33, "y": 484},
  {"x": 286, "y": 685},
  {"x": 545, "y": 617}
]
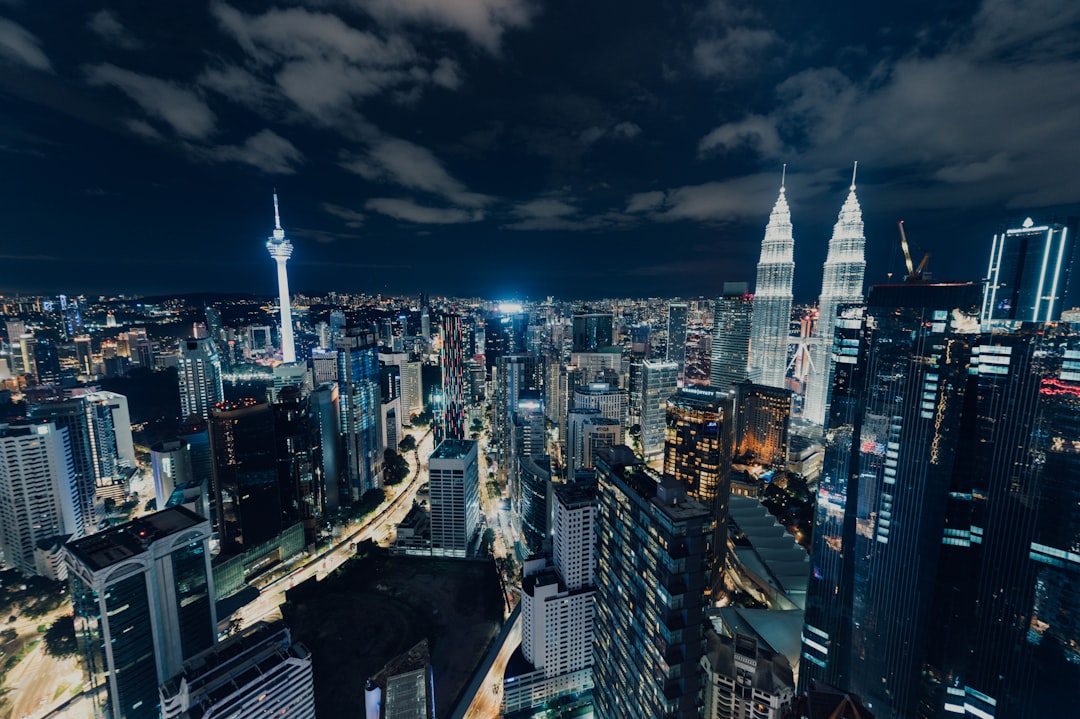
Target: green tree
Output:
[
  {"x": 60, "y": 638},
  {"x": 408, "y": 444},
  {"x": 395, "y": 467}
]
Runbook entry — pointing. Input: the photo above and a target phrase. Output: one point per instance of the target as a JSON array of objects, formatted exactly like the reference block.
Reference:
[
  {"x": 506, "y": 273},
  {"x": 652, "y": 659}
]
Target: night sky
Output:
[{"x": 519, "y": 148}]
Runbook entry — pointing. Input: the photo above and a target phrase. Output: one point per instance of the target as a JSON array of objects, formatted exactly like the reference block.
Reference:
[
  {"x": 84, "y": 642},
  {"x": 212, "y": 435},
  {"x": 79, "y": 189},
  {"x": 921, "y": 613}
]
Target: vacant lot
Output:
[{"x": 379, "y": 606}]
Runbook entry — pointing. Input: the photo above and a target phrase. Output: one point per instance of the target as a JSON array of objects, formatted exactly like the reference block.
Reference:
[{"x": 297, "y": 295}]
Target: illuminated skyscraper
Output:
[
  {"x": 772, "y": 298},
  {"x": 450, "y": 424},
  {"x": 455, "y": 497},
  {"x": 659, "y": 380},
  {"x": 731, "y": 336},
  {"x": 592, "y": 331},
  {"x": 697, "y": 448},
  {"x": 842, "y": 283},
  {"x": 281, "y": 250},
  {"x": 361, "y": 402},
  {"x": 652, "y": 548},
  {"x": 1028, "y": 272},
  {"x": 199, "y": 369},
  {"x": 762, "y": 418}
]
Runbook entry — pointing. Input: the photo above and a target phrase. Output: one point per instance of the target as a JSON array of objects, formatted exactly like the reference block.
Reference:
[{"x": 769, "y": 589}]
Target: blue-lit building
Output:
[
  {"x": 143, "y": 595},
  {"x": 1029, "y": 272},
  {"x": 358, "y": 378}
]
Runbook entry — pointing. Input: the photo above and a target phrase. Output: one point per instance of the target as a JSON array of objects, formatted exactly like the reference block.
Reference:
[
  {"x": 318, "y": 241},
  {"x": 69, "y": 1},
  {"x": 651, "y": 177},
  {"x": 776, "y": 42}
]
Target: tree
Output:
[
  {"x": 423, "y": 419},
  {"x": 60, "y": 638},
  {"x": 395, "y": 467},
  {"x": 477, "y": 426},
  {"x": 408, "y": 444}
]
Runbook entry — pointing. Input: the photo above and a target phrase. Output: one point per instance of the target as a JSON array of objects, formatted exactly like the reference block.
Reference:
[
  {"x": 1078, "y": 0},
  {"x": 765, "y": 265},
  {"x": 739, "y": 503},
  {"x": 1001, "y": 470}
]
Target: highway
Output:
[{"x": 272, "y": 594}]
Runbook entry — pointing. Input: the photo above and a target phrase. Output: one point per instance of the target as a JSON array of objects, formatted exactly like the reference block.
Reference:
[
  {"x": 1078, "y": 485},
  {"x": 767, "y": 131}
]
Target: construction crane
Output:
[{"x": 915, "y": 274}]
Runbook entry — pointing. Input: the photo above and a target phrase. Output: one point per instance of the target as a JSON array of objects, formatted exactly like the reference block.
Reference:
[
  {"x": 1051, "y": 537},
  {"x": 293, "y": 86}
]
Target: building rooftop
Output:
[
  {"x": 773, "y": 554},
  {"x": 454, "y": 449},
  {"x": 579, "y": 493},
  {"x": 666, "y": 495},
  {"x": 127, "y": 540}
]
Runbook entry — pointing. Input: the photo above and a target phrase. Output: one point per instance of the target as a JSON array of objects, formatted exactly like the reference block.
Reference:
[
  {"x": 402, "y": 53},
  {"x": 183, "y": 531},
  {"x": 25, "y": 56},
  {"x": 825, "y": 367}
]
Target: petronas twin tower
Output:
[{"x": 842, "y": 282}]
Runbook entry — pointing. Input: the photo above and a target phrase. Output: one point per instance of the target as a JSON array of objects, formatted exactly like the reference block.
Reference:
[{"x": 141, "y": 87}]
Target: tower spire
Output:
[
  {"x": 853, "y": 171},
  {"x": 783, "y": 177}
]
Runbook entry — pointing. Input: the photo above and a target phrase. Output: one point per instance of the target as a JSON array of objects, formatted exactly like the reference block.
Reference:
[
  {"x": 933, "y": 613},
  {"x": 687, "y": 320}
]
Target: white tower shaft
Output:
[{"x": 288, "y": 348}]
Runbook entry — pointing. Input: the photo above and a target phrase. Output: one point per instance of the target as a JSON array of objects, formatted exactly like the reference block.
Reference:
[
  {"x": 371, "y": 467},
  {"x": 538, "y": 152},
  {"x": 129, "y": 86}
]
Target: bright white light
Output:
[{"x": 511, "y": 308}]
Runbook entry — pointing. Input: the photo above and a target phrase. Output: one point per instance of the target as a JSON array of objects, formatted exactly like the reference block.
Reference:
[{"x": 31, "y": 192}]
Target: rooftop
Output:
[
  {"x": 579, "y": 493},
  {"x": 454, "y": 449},
  {"x": 127, "y": 540}
]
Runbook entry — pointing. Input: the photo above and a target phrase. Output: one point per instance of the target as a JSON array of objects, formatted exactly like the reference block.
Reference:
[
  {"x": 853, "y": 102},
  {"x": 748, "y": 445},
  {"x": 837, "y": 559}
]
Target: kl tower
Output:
[{"x": 281, "y": 250}]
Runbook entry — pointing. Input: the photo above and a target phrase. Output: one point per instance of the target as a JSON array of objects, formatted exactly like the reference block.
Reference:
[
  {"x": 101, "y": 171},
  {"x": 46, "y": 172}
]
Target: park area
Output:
[{"x": 377, "y": 606}]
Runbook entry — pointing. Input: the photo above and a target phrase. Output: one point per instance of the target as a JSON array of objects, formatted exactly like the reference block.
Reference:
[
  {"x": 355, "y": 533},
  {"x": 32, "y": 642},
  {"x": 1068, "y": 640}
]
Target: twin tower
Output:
[{"x": 842, "y": 282}]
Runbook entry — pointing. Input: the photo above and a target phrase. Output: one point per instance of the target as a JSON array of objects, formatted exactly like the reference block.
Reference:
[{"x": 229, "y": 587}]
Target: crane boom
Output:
[{"x": 907, "y": 252}]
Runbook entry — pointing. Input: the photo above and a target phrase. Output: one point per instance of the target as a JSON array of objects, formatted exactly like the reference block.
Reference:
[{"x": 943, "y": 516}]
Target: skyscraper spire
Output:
[
  {"x": 772, "y": 296},
  {"x": 281, "y": 250},
  {"x": 841, "y": 283}
]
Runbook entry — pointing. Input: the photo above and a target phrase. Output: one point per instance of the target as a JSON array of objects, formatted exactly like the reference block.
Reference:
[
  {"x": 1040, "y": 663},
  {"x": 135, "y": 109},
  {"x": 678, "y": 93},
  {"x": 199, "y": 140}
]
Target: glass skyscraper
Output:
[
  {"x": 945, "y": 579},
  {"x": 1029, "y": 271},
  {"x": 731, "y": 336},
  {"x": 772, "y": 298}
]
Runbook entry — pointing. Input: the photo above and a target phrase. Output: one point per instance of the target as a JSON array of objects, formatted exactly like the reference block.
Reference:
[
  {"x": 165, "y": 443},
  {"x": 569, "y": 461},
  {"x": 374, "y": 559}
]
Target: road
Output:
[
  {"x": 272, "y": 595},
  {"x": 487, "y": 703}
]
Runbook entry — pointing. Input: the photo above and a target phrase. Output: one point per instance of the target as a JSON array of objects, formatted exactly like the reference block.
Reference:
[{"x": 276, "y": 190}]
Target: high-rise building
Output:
[
  {"x": 84, "y": 354},
  {"x": 651, "y": 575},
  {"x": 532, "y": 503},
  {"x": 504, "y": 334},
  {"x": 592, "y": 331},
  {"x": 412, "y": 392},
  {"x": 298, "y": 452},
  {"x": 732, "y": 321},
  {"x": 558, "y": 607},
  {"x": 358, "y": 378},
  {"x": 602, "y": 396},
  {"x": 676, "y": 335},
  {"x": 893, "y": 487},
  {"x": 326, "y": 403},
  {"x": 259, "y": 672},
  {"x": 450, "y": 424},
  {"x": 199, "y": 371},
  {"x": 514, "y": 376},
  {"x": 454, "y": 488},
  {"x": 143, "y": 594},
  {"x": 280, "y": 250},
  {"x": 841, "y": 283},
  {"x": 248, "y": 500},
  {"x": 170, "y": 462},
  {"x": 772, "y": 298},
  {"x": 293, "y": 374},
  {"x": 659, "y": 380},
  {"x": 762, "y": 418},
  {"x": 38, "y": 494},
  {"x": 1029, "y": 272},
  {"x": 697, "y": 448}
]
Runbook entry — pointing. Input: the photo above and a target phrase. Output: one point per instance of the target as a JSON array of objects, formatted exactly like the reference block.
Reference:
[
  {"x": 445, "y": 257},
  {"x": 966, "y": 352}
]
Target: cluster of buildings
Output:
[{"x": 936, "y": 422}]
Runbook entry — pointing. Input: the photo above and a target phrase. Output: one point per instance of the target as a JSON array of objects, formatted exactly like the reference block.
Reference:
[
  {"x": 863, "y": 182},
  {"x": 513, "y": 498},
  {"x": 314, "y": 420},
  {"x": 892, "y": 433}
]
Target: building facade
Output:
[
  {"x": 652, "y": 548},
  {"x": 762, "y": 419},
  {"x": 199, "y": 368},
  {"x": 732, "y": 321},
  {"x": 454, "y": 490},
  {"x": 698, "y": 443},
  {"x": 772, "y": 298},
  {"x": 659, "y": 380},
  {"x": 1029, "y": 272}
]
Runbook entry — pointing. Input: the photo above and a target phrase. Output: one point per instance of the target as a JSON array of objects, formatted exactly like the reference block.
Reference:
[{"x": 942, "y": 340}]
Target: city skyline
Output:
[{"x": 524, "y": 131}]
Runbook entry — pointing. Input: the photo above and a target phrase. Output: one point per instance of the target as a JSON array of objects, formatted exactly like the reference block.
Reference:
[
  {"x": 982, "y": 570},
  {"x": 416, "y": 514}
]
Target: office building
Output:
[
  {"x": 514, "y": 376},
  {"x": 170, "y": 462},
  {"x": 450, "y": 422},
  {"x": 143, "y": 595},
  {"x": 260, "y": 672},
  {"x": 592, "y": 331},
  {"x": 38, "y": 494},
  {"x": 896, "y": 483},
  {"x": 652, "y": 570},
  {"x": 602, "y": 396},
  {"x": 504, "y": 334},
  {"x": 412, "y": 393},
  {"x": 280, "y": 250},
  {"x": 1029, "y": 272},
  {"x": 745, "y": 679},
  {"x": 297, "y": 436},
  {"x": 732, "y": 320},
  {"x": 676, "y": 336},
  {"x": 454, "y": 490},
  {"x": 249, "y": 508},
  {"x": 84, "y": 355},
  {"x": 199, "y": 371},
  {"x": 358, "y": 380},
  {"x": 557, "y": 608},
  {"x": 92, "y": 436},
  {"x": 772, "y": 298},
  {"x": 533, "y": 501},
  {"x": 697, "y": 446},
  {"x": 762, "y": 418},
  {"x": 326, "y": 404},
  {"x": 293, "y": 374},
  {"x": 588, "y": 433},
  {"x": 659, "y": 380},
  {"x": 841, "y": 284}
]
